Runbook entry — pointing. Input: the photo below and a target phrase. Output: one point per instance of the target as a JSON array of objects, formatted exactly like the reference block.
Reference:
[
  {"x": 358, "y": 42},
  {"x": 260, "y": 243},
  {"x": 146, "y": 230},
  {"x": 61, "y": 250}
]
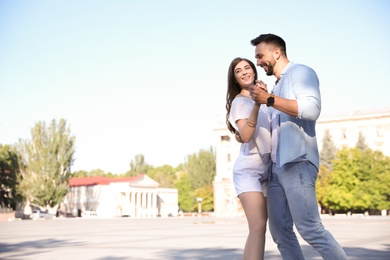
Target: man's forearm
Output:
[{"x": 288, "y": 106}]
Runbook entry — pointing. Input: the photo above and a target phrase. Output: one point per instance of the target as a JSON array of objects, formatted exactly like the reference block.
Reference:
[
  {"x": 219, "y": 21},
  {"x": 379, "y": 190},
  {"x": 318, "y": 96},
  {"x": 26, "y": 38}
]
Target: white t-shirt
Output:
[{"x": 254, "y": 155}]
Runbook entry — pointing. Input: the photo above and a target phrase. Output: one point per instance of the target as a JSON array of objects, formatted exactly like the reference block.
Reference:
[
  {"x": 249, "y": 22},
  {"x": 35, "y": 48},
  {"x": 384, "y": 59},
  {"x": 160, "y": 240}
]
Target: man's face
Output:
[{"x": 265, "y": 58}]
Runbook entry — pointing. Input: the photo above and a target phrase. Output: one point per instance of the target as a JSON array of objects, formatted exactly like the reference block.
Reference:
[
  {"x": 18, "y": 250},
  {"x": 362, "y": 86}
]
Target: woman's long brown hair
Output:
[{"x": 234, "y": 89}]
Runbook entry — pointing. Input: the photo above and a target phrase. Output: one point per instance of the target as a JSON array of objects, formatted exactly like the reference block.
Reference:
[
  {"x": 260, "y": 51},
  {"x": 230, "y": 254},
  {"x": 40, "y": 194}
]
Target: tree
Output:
[
  {"x": 94, "y": 172},
  {"x": 138, "y": 166},
  {"x": 8, "y": 171},
  {"x": 328, "y": 150},
  {"x": 45, "y": 163},
  {"x": 184, "y": 188},
  {"x": 322, "y": 185},
  {"x": 80, "y": 174},
  {"x": 165, "y": 175},
  {"x": 344, "y": 181},
  {"x": 361, "y": 142},
  {"x": 375, "y": 179},
  {"x": 207, "y": 194},
  {"x": 97, "y": 172},
  {"x": 201, "y": 168},
  {"x": 359, "y": 181}
]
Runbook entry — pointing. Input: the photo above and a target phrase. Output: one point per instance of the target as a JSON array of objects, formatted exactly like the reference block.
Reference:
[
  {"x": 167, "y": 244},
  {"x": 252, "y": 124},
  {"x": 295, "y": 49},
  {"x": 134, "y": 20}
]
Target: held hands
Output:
[
  {"x": 259, "y": 92},
  {"x": 238, "y": 137}
]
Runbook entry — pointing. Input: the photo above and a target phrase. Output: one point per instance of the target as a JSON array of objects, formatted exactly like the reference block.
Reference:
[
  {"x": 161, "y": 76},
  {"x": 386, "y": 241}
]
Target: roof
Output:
[{"x": 100, "y": 180}]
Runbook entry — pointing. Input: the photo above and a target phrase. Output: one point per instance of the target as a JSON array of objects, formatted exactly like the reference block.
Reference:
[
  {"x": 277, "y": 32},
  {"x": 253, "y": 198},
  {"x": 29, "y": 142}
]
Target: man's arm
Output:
[
  {"x": 288, "y": 106},
  {"x": 307, "y": 102}
]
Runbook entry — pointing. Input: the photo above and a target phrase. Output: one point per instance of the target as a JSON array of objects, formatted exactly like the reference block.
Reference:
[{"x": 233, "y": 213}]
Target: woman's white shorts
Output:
[
  {"x": 245, "y": 182},
  {"x": 247, "y": 172}
]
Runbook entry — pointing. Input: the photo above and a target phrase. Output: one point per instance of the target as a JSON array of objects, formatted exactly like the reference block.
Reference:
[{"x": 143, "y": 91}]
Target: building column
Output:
[
  {"x": 154, "y": 204},
  {"x": 138, "y": 207},
  {"x": 132, "y": 204},
  {"x": 148, "y": 204}
]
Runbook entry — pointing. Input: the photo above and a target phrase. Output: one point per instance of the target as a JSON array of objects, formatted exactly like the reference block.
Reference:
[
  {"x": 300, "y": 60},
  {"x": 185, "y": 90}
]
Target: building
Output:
[
  {"x": 374, "y": 125},
  {"x": 138, "y": 197},
  {"x": 226, "y": 202}
]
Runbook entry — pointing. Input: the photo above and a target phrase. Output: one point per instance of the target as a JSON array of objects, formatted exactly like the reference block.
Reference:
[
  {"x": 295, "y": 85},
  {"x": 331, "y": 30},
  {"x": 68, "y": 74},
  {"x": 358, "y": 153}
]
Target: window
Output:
[
  {"x": 225, "y": 138},
  {"x": 344, "y": 133},
  {"x": 380, "y": 131}
]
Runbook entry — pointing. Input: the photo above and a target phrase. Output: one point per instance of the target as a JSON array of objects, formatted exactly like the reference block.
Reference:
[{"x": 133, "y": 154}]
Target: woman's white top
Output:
[{"x": 254, "y": 155}]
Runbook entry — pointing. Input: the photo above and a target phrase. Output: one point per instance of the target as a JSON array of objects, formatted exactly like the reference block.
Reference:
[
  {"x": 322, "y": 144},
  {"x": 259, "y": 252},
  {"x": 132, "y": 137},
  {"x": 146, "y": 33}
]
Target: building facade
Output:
[
  {"x": 226, "y": 202},
  {"x": 138, "y": 197},
  {"x": 374, "y": 125}
]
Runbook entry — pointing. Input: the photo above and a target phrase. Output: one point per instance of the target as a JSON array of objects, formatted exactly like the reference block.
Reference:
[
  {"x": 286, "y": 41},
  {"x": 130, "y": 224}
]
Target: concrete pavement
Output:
[{"x": 174, "y": 238}]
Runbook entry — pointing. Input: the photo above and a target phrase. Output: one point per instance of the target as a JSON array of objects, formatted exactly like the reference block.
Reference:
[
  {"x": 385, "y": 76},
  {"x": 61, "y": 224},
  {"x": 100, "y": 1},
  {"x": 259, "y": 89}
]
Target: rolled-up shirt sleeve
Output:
[{"x": 307, "y": 92}]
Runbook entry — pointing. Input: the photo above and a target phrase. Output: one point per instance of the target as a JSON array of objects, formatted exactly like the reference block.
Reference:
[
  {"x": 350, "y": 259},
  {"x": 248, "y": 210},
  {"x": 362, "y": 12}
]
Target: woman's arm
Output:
[{"x": 247, "y": 126}]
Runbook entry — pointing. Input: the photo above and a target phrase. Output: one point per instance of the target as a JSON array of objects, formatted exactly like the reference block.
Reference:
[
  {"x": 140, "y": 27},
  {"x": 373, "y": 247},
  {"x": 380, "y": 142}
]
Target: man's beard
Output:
[{"x": 270, "y": 67}]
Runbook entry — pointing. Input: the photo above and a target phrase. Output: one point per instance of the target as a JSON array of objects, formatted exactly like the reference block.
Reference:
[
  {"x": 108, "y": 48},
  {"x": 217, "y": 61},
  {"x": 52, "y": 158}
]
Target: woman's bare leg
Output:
[{"x": 255, "y": 207}]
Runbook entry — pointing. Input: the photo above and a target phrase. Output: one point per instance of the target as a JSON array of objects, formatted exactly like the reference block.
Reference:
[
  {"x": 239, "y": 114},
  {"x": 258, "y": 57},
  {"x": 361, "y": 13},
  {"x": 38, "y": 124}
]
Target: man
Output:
[{"x": 295, "y": 105}]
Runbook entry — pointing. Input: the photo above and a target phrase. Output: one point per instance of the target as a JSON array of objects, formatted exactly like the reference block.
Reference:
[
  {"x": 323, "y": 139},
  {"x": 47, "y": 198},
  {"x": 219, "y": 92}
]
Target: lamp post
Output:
[{"x": 199, "y": 200}]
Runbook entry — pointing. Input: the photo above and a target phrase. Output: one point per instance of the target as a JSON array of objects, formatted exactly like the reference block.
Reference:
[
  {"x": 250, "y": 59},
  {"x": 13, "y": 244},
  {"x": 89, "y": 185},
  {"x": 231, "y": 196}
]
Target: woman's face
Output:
[{"x": 244, "y": 74}]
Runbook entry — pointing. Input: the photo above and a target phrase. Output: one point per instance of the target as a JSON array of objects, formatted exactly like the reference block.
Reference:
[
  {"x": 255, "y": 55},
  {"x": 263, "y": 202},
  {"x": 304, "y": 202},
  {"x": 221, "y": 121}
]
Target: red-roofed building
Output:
[{"x": 137, "y": 196}]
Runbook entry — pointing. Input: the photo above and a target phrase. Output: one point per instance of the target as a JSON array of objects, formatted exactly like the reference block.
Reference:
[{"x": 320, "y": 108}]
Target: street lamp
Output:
[{"x": 199, "y": 200}]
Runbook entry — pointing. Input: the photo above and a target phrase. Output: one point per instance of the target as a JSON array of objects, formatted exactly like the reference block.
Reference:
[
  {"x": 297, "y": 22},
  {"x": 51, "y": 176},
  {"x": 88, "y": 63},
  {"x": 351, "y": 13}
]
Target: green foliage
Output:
[
  {"x": 184, "y": 188},
  {"x": 359, "y": 181},
  {"x": 361, "y": 142},
  {"x": 138, "y": 166},
  {"x": 44, "y": 164},
  {"x": 328, "y": 151},
  {"x": 207, "y": 194},
  {"x": 324, "y": 177},
  {"x": 97, "y": 172},
  {"x": 165, "y": 175},
  {"x": 8, "y": 173},
  {"x": 92, "y": 173},
  {"x": 111, "y": 175},
  {"x": 79, "y": 174},
  {"x": 195, "y": 181},
  {"x": 201, "y": 168}
]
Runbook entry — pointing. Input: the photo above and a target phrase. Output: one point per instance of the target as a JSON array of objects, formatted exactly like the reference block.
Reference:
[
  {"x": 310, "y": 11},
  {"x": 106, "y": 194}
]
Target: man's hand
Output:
[
  {"x": 259, "y": 92},
  {"x": 262, "y": 85},
  {"x": 238, "y": 137}
]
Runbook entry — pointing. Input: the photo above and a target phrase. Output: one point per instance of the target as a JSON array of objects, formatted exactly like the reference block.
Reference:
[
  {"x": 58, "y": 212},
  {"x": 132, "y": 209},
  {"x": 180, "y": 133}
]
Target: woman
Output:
[{"x": 251, "y": 169}]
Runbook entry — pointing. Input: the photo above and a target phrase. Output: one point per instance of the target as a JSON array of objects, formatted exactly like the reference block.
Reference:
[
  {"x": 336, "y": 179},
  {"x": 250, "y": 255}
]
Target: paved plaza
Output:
[{"x": 362, "y": 237}]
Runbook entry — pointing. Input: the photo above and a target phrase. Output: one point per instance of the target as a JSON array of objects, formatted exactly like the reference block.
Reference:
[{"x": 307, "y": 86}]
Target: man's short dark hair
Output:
[{"x": 271, "y": 39}]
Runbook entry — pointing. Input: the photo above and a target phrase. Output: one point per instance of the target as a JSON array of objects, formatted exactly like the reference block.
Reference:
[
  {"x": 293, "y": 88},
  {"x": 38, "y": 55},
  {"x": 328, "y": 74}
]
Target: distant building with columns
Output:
[
  {"x": 374, "y": 125},
  {"x": 138, "y": 197}
]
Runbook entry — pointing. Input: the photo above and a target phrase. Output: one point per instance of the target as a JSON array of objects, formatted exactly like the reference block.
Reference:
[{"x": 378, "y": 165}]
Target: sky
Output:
[{"x": 150, "y": 77}]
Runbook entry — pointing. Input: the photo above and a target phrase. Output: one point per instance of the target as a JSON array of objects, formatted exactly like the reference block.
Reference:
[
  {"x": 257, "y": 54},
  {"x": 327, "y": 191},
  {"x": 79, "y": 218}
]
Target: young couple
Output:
[{"x": 276, "y": 171}]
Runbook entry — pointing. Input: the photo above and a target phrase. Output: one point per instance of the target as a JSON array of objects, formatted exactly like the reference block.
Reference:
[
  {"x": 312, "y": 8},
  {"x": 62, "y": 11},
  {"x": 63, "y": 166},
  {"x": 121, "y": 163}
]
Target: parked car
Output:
[{"x": 37, "y": 214}]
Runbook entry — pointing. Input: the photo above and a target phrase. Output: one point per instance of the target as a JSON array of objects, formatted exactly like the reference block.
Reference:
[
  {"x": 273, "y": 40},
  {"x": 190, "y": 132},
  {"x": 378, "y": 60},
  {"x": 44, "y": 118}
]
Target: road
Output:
[{"x": 194, "y": 238}]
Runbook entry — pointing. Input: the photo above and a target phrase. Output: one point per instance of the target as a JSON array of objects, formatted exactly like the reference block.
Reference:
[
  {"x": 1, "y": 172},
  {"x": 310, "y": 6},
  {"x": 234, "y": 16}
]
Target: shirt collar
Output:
[{"x": 284, "y": 71}]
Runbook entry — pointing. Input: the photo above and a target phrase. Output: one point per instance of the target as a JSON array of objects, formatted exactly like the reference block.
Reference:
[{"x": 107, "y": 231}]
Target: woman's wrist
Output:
[{"x": 251, "y": 123}]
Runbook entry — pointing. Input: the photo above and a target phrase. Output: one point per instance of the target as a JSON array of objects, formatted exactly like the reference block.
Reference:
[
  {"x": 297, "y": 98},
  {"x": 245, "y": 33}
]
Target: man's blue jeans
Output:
[{"x": 292, "y": 200}]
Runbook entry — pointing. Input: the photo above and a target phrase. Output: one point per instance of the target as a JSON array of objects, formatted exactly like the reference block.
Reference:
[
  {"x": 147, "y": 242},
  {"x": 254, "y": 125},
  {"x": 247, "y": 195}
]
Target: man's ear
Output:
[{"x": 277, "y": 54}]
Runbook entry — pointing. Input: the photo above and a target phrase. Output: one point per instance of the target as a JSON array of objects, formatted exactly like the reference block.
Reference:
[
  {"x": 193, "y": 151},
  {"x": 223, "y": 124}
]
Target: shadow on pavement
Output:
[
  {"x": 363, "y": 253},
  {"x": 234, "y": 254},
  {"x": 352, "y": 253},
  {"x": 23, "y": 249},
  {"x": 206, "y": 253}
]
